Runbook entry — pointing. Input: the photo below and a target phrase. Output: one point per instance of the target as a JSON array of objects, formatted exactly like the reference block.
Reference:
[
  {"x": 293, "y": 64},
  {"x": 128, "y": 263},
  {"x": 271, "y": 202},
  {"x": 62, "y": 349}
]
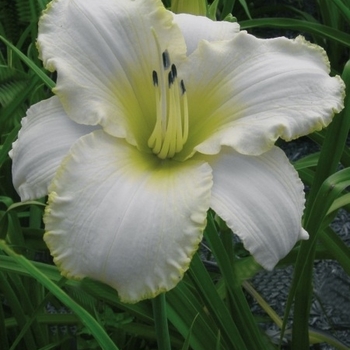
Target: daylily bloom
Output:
[{"x": 156, "y": 118}]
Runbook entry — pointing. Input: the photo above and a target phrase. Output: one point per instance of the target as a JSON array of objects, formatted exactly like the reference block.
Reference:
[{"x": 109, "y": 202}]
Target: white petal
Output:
[
  {"x": 104, "y": 53},
  {"x": 197, "y": 28},
  {"x": 261, "y": 199},
  {"x": 248, "y": 92},
  {"x": 124, "y": 217},
  {"x": 44, "y": 139}
]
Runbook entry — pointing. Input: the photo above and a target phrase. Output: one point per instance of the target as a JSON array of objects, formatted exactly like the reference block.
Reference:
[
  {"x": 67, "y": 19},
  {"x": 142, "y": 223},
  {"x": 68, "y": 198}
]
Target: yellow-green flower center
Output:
[{"x": 171, "y": 128}]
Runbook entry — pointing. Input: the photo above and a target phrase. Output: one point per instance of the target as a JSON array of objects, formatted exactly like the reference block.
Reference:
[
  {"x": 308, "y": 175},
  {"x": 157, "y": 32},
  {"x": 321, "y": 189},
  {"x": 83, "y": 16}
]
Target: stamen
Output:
[
  {"x": 166, "y": 59},
  {"x": 185, "y": 116},
  {"x": 155, "y": 78},
  {"x": 174, "y": 70},
  {"x": 182, "y": 84},
  {"x": 170, "y": 79},
  {"x": 171, "y": 128},
  {"x": 185, "y": 112}
]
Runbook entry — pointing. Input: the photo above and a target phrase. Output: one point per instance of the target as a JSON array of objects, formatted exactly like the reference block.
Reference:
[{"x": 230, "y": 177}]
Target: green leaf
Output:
[
  {"x": 339, "y": 250},
  {"x": 161, "y": 322},
  {"x": 7, "y": 145},
  {"x": 96, "y": 330},
  {"x": 184, "y": 307},
  {"x": 17, "y": 309},
  {"x": 344, "y": 9},
  {"x": 245, "y": 7},
  {"x": 309, "y": 161},
  {"x": 38, "y": 71},
  {"x": 186, "y": 344},
  {"x": 216, "y": 307},
  {"x": 246, "y": 325},
  {"x": 212, "y": 9}
]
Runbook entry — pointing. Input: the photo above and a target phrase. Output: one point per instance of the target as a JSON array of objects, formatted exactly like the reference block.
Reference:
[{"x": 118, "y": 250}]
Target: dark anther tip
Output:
[{"x": 155, "y": 78}]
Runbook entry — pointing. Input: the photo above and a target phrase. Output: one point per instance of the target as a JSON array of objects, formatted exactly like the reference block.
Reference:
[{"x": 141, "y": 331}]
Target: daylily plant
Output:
[{"x": 156, "y": 118}]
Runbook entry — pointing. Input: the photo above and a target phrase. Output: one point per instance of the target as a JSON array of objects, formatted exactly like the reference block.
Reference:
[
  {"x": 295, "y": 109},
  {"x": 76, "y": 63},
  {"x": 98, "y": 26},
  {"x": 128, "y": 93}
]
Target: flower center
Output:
[{"x": 171, "y": 128}]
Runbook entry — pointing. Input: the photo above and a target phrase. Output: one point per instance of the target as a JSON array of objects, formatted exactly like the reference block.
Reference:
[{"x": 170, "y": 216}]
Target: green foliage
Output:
[{"x": 19, "y": 86}]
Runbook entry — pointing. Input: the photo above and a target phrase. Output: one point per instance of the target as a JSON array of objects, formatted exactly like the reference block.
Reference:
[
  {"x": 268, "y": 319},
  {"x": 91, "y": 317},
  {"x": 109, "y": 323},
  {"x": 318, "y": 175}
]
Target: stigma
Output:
[{"x": 170, "y": 132}]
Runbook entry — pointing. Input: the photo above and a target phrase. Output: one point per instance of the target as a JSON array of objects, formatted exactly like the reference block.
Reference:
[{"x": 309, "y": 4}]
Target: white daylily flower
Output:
[{"x": 158, "y": 117}]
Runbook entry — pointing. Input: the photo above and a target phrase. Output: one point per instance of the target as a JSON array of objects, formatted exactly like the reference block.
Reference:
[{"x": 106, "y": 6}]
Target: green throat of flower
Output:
[{"x": 171, "y": 128}]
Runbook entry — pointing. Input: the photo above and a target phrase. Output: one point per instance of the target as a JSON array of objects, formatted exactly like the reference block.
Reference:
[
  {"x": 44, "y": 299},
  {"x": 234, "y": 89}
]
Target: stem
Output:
[{"x": 161, "y": 322}]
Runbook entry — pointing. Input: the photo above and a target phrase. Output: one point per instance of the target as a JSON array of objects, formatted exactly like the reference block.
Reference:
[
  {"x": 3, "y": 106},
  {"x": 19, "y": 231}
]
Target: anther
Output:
[
  {"x": 174, "y": 71},
  {"x": 170, "y": 78},
  {"x": 182, "y": 85},
  {"x": 166, "y": 59},
  {"x": 155, "y": 78}
]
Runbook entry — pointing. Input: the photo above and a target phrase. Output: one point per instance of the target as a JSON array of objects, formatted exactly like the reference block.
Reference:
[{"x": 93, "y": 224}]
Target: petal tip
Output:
[{"x": 304, "y": 235}]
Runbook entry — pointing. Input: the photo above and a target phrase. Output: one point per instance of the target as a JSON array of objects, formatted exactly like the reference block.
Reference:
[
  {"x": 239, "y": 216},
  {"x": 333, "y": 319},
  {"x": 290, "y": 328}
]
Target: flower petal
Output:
[
  {"x": 261, "y": 199},
  {"x": 44, "y": 139},
  {"x": 197, "y": 28},
  {"x": 248, "y": 92},
  {"x": 105, "y": 52},
  {"x": 124, "y": 217}
]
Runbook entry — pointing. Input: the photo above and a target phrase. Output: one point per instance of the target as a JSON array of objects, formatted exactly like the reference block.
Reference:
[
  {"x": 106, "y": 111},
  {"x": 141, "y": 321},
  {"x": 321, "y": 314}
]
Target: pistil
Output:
[{"x": 171, "y": 128}]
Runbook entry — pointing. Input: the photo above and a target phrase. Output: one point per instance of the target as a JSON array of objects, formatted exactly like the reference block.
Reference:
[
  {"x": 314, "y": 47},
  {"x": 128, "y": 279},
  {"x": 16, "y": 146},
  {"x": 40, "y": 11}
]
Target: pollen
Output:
[{"x": 170, "y": 132}]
